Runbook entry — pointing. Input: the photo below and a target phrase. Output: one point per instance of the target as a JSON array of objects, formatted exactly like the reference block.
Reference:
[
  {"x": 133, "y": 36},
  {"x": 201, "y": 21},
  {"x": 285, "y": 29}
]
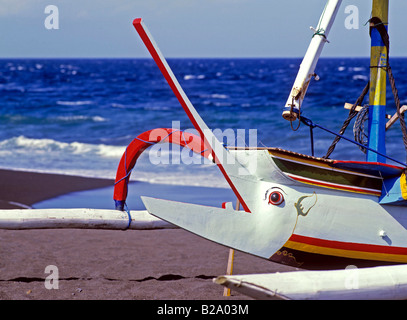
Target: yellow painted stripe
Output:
[
  {"x": 378, "y": 76},
  {"x": 403, "y": 186},
  {"x": 345, "y": 253}
]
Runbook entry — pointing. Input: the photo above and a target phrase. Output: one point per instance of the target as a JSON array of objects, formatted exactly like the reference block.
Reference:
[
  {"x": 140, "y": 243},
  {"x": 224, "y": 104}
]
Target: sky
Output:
[{"x": 186, "y": 28}]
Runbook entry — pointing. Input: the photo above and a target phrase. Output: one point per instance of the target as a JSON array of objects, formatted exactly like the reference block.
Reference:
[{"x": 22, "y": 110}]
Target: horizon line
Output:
[{"x": 192, "y": 57}]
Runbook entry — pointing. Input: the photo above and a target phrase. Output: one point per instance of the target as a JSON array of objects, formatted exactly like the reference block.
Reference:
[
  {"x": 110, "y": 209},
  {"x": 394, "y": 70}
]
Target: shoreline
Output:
[{"x": 22, "y": 189}]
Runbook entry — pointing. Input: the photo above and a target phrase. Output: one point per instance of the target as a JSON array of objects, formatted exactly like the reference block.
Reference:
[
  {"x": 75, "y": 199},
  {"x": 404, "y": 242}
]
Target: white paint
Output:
[
  {"x": 311, "y": 57},
  {"x": 20, "y": 219},
  {"x": 384, "y": 283}
]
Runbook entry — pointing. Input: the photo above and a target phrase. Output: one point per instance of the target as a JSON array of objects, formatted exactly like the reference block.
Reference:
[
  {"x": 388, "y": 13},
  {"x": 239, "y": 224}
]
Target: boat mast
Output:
[
  {"x": 377, "y": 94},
  {"x": 307, "y": 67}
]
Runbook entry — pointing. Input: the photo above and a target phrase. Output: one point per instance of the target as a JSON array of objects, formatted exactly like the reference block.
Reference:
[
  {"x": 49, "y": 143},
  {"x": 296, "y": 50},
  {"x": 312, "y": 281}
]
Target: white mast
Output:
[{"x": 310, "y": 60}]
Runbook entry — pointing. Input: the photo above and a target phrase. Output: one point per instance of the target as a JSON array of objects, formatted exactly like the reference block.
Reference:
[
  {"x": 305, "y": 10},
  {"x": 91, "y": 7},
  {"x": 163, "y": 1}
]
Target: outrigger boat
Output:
[{"x": 313, "y": 213}]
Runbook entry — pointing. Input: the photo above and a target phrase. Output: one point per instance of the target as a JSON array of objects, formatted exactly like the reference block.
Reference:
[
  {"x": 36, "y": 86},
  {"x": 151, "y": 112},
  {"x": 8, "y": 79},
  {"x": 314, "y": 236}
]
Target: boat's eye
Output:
[{"x": 276, "y": 198}]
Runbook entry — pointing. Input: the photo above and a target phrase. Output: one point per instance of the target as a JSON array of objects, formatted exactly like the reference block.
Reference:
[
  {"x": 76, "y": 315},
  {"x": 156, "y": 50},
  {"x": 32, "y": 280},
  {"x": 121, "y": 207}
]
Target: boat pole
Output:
[
  {"x": 309, "y": 62},
  {"x": 377, "y": 93},
  {"x": 229, "y": 269}
]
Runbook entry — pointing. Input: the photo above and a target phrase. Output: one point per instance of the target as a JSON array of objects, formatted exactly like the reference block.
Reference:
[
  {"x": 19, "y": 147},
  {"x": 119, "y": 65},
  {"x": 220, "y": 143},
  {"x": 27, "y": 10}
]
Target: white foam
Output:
[
  {"x": 214, "y": 96},
  {"x": 357, "y": 69},
  {"x": 193, "y": 77},
  {"x": 29, "y": 146},
  {"x": 82, "y": 118},
  {"x": 73, "y": 103},
  {"x": 360, "y": 77},
  {"x": 102, "y": 160}
]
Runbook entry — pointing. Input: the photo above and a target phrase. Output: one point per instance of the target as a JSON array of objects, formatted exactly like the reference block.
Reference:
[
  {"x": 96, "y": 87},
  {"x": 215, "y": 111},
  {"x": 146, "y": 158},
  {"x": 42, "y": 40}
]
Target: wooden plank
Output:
[
  {"x": 358, "y": 108},
  {"x": 229, "y": 270},
  {"x": 395, "y": 117}
]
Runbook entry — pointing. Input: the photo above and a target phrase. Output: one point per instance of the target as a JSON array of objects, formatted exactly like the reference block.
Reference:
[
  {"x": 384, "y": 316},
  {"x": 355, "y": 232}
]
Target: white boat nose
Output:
[{"x": 260, "y": 233}]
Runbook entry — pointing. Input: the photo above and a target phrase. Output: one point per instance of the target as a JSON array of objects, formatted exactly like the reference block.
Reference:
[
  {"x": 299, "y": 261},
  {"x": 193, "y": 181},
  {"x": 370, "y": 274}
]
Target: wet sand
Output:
[{"x": 107, "y": 265}]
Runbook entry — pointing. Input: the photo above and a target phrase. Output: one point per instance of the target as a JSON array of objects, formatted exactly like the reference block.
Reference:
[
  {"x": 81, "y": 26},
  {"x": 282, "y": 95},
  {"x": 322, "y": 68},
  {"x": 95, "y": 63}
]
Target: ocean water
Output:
[{"x": 76, "y": 116}]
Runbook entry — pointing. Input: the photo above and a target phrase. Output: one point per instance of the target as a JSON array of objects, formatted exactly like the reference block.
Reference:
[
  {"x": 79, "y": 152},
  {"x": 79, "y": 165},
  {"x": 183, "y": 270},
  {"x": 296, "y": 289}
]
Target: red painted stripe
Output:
[
  {"x": 348, "y": 245},
  {"x": 143, "y": 35},
  {"x": 341, "y": 187},
  {"x": 369, "y": 164},
  {"x": 150, "y": 46}
]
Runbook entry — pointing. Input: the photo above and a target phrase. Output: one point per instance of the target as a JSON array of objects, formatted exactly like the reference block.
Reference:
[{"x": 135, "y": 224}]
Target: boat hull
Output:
[
  {"x": 344, "y": 223},
  {"x": 312, "y": 260}
]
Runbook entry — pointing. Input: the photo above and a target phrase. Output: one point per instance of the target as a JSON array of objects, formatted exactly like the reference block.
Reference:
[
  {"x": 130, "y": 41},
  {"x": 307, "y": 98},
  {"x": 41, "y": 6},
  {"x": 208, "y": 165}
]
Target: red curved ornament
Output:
[{"x": 141, "y": 143}]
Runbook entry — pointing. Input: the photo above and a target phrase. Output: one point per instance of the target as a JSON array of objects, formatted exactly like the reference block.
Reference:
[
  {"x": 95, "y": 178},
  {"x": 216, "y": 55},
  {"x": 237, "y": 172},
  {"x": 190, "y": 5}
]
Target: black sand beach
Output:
[
  {"x": 19, "y": 189},
  {"x": 102, "y": 264}
]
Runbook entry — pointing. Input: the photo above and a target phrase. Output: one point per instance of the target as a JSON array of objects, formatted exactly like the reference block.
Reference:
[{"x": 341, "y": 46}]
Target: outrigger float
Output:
[{"x": 313, "y": 213}]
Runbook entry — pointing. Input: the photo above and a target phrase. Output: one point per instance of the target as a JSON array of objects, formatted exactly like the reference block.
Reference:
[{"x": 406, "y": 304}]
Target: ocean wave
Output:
[
  {"x": 159, "y": 108},
  {"x": 357, "y": 69},
  {"x": 214, "y": 96},
  {"x": 351, "y": 69},
  {"x": 73, "y": 103},
  {"x": 29, "y": 146},
  {"x": 82, "y": 118},
  {"x": 360, "y": 77},
  {"x": 125, "y": 106},
  {"x": 30, "y": 119},
  {"x": 163, "y": 165},
  {"x": 161, "y": 154},
  {"x": 193, "y": 77},
  {"x": 118, "y": 105}
]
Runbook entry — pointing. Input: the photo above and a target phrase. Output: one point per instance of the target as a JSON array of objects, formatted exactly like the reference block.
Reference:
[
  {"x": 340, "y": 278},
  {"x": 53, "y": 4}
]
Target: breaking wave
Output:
[
  {"x": 102, "y": 160},
  {"x": 24, "y": 145}
]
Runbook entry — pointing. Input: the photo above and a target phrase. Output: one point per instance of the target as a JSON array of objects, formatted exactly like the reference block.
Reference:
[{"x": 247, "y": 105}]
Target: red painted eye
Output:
[{"x": 276, "y": 198}]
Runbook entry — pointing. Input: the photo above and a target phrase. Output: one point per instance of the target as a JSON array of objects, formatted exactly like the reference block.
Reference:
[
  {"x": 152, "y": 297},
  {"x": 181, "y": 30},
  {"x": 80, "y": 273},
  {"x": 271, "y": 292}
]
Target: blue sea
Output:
[{"x": 76, "y": 116}]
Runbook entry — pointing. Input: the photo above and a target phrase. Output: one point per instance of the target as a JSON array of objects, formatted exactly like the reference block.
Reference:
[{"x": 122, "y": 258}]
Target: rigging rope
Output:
[
  {"x": 379, "y": 25},
  {"x": 397, "y": 101},
  {"x": 359, "y": 127},
  {"x": 352, "y": 114},
  {"x": 309, "y": 123}
]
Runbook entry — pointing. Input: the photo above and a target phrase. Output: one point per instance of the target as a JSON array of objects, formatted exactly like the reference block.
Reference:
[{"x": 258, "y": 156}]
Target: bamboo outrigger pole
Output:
[
  {"x": 79, "y": 218},
  {"x": 378, "y": 77},
  {"x": 309, "y": 62}
]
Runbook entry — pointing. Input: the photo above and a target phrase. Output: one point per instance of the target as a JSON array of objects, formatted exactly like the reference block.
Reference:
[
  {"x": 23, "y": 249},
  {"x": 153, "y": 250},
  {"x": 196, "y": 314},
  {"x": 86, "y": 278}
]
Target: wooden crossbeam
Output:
[
  {"x": 392, "y": 119},
  {"x": 395, "y": 117}
]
